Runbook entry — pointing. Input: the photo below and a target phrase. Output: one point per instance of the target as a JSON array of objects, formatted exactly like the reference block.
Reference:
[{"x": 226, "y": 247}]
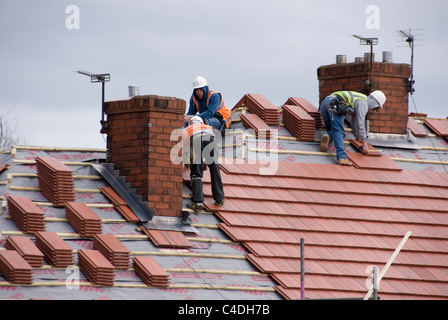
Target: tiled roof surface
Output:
[{"x": 350, "y": 218}]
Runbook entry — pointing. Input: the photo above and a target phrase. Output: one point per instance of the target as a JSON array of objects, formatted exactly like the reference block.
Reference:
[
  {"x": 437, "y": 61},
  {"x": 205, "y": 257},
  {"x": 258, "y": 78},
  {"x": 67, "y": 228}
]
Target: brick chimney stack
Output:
[
  {"x": 391, "y": 78},
  {"x": 138, "y": 143}
]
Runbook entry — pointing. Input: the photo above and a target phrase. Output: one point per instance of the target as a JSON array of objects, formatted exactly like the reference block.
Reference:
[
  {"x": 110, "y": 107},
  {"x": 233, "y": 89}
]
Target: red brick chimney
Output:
[
  {"x": 138, "y": 143},
  {"x": 391, "y": 78}
]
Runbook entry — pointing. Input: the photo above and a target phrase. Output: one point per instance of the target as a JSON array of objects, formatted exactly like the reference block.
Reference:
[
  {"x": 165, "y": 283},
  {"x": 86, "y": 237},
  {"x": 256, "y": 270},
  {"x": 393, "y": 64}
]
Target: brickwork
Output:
[
  {"x": 391, "y": 78},
  {"x": 138, "y": 142}
]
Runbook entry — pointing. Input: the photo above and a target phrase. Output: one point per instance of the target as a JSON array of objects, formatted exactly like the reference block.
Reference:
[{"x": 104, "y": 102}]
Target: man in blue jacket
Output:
[{"x": 209, "y": 105}]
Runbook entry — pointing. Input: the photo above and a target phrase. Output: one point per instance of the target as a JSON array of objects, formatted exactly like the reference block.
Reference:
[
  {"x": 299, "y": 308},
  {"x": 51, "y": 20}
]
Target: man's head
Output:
[
  {"x": 379, "y": 98},
  {"x": 199, "y": 83}
]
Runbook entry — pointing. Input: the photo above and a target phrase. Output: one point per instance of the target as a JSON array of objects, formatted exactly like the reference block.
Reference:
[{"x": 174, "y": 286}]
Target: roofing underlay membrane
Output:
[{"x": 215, "y": 267}]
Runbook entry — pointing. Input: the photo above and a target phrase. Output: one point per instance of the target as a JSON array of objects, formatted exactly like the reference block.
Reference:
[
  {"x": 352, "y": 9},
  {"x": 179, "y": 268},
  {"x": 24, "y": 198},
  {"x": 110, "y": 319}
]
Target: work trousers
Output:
[
  {"x": 205, "y": 151},
  {"x": 334, "y": 123}
]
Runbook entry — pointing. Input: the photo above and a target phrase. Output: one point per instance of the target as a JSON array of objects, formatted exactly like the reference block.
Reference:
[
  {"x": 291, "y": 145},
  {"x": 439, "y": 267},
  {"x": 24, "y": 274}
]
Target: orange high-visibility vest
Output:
[{"x": 222, "y": 109}]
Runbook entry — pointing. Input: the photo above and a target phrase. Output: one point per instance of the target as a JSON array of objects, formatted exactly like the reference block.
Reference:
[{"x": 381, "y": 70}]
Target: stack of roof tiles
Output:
[
  {"x": 96, "y": 267},
  {"x": 83, "y": 219},
  {"x": 309, "y": 108},
  {"x": 151, "y": 272},
  {"x": 15, "y": 268},
  {"x": 259, "y": 105},
  {"x": 55, "y": 180},
  {"x": 27, "y": 215},
  {"x": 56, "y": 251},
  {"x": 27, "y": 249},
  {"x": 114, "y": 251},
  {"x": 254, "y": 122},
  {"x": 299, "y": 122}
]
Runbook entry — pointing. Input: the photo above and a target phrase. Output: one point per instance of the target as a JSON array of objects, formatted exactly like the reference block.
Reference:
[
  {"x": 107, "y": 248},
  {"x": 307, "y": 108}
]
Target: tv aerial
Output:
[
  {"x": 368, "y": 42},
  {"x": 410, "y": 37},
  {"x": 95, "y": 78}
]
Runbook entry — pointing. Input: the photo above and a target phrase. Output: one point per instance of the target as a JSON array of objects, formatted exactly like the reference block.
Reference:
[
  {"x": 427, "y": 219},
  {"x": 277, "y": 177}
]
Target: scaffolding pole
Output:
[{"x": 302, "y": 269}]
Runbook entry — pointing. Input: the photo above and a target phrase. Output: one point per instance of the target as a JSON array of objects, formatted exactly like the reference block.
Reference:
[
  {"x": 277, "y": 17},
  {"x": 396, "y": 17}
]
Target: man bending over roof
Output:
[{"x": 354, "y": 107}]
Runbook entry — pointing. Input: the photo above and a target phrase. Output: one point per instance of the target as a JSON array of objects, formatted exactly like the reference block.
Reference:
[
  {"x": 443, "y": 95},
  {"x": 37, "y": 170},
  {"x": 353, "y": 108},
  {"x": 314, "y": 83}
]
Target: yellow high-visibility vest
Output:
[{"x": 351, "y": 97}]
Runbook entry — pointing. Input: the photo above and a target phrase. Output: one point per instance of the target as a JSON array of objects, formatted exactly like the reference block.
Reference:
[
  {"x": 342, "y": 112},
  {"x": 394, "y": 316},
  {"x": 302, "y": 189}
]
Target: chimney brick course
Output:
[{"x": 138, "y": 142}]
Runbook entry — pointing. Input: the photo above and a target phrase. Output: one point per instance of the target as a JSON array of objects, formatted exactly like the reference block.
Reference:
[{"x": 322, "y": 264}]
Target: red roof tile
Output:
[
  {"x": 439, "y": 126},
  {"x": 120, "y": 205},
  {"x": 167, "y": 238},
  {"x": 255, "y": 123},
  {"x": 350, "y": 218},
  {"x": 416, "y": 129},
  {"x": 379, "y": 163}
]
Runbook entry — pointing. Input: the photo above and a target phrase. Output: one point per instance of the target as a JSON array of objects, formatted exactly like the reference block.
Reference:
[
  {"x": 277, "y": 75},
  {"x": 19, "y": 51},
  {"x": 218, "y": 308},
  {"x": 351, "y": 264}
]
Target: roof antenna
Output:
[
  {"x": 368, "y": 42},
  {"x": 410, "y": 39},
  {"x": 94, "y": 78}
]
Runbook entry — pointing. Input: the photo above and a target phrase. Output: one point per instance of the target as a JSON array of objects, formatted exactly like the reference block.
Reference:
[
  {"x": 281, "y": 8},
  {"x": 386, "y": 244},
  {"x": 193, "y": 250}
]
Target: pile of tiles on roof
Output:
[
  {"x": 56, "y": 251},
  {"x": 308, "y": 107},
  {"x": 99, "y": 265},
  {"x": 96, "y": 267},
  {"x": 15, "y": 268},
  {"x": 151, "y": 272},
  {"x": 299, "y": 122},
  {"x": 55, "y": 180},
  {"x": 114, "y": 251},
  {"x": 259, "y": 105},
  {"x": 83, "y": 219},
  {"x": 26, "y": 215},
  {"x": 27, "y": 249}
]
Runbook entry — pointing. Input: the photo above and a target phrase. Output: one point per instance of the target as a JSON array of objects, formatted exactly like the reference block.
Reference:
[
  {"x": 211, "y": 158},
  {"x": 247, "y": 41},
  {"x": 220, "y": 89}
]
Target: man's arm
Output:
[
  {"x": 360, "y": 119},
  {"x": 213, "y": 105}
]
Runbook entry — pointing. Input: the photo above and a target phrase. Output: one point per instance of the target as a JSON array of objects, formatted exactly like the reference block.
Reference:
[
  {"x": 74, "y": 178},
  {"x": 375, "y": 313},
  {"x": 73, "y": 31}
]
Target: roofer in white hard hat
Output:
[
  {"x": 209, "y": 105},
  {"x": 354, "y": 107}
]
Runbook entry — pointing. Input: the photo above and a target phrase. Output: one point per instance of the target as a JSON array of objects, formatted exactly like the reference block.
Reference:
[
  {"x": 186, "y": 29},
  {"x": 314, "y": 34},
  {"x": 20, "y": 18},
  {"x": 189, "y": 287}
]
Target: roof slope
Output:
[
  {"x": 213, "y": 267},
  {"x": 350, "y": 217}
]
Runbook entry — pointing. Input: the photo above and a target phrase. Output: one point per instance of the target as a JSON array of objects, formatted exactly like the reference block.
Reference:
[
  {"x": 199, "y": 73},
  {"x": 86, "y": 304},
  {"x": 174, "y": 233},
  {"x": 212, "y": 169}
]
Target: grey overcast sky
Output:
[{"x": 247, "y": 46}]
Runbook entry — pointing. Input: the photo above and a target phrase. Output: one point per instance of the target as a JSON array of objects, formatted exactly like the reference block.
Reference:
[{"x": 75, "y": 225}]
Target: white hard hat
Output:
[
  {"x": 380, "y": 97},
  {"x": 199, "y": 82},
  {"x": 196, "y": 119}
]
